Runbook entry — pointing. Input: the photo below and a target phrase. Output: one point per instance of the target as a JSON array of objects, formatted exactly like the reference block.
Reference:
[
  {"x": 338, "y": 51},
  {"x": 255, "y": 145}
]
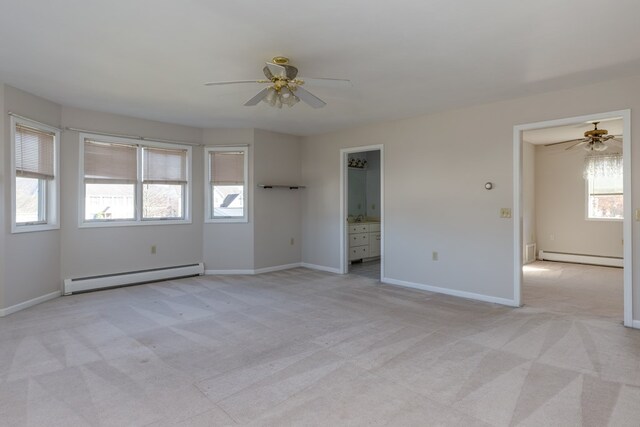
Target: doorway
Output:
[
  {"x": 522, "y": 227},
  {"x": 362, "y": 211}
]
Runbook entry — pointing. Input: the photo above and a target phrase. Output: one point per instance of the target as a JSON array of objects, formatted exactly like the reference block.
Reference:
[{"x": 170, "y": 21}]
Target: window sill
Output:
[
  {"x": 108, "y": 224},
  {"x": 226, "y": 221},
  {"x": 18, "y": 229},
  {"x": 605, "y": 219}
]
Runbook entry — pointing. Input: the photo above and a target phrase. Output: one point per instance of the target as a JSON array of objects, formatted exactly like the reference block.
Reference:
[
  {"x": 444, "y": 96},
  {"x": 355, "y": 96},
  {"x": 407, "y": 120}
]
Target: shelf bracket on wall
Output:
[{"x": 290, "y": 187}]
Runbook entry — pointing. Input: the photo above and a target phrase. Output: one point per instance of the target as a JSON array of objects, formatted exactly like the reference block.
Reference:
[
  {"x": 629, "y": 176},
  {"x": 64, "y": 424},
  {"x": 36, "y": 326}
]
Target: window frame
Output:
[
  {"x": 50, "y": 200},
  {"x": 588, "y": 191},
  {"x": 138, "y": 190},
  {"x": 208, "y": 199}
]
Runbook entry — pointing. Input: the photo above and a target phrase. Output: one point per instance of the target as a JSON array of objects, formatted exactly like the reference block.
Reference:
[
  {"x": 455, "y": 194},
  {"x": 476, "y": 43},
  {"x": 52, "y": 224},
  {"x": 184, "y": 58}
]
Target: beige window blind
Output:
[
  {"x": 227, "y": 167},
  {"x": 34, "y": 151},
  {"x": 109, "y": 162},
  {"x": 164, "y": 166}
]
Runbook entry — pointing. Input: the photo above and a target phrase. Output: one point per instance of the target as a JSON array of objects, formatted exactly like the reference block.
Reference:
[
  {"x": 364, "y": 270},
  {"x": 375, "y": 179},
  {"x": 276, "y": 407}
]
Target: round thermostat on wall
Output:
[{"x": 488, "y": 186}]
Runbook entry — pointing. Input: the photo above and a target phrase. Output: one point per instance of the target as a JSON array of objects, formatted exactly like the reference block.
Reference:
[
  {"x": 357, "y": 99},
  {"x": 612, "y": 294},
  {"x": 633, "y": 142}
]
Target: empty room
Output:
[{"x": 298, "y": 214}]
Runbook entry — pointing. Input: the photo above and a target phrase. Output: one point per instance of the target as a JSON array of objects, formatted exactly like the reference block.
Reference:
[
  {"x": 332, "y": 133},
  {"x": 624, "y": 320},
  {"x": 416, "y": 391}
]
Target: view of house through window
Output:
[
  {"x": 119, "y": 177},
  {"x": 227, "y": 177},
  {"x": 604, "y": 186}
]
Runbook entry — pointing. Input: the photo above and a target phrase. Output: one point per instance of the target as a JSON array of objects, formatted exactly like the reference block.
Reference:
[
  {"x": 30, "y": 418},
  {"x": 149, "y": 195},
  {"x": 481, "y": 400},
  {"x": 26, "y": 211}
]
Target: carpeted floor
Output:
[
  {"x": 302, "y": 347},
  {"x": 574, "y": 289}
]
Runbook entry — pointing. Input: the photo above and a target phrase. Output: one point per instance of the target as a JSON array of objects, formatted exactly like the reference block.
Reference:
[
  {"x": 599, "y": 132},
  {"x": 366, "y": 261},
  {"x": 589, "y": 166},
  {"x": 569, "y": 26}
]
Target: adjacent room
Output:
[
  {"x": 573, "y": 218},
  {"x": 319, "y": 214}
]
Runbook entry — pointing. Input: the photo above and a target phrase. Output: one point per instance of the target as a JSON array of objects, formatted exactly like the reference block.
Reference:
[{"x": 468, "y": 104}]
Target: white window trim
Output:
[
  {"x": 52, "y": 194},
  {"x": 208, "y": 211},
  {"x": 587, "y": 197},
  {"x": 82, "y": 223}
]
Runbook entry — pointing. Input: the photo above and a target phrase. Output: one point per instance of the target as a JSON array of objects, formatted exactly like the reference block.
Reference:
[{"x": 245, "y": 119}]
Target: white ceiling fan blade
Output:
[
  {"x": 233, "y": 82},
  {"x": 577, "y": 144},
  {"x": 563, "y": 142},
  {"x": 256, "y": 99},
  {"x": 309, "y": 98},
  {"x": 330, "y": 83},
  {"x": 277, "y": 70}
]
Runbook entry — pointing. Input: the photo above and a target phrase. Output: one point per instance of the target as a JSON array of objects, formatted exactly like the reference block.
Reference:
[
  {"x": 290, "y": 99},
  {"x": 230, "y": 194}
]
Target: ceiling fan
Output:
[
  {"x": 594, "y": 139},
  {"x": 285, "y": 88}
]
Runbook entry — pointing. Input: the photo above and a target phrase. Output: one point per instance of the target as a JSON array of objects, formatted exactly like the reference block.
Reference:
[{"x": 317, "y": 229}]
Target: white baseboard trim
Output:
[
  {"x": 226, "y": 272},
  {"x": 635, "y": 324},
  {"x": 452, "y": 292},
  {"x": 9, "y": 310},
  {"x": 252, "y": 271},
  {"x": 581, "y": 259},
  {"x": 277, "y": 268},
  {"x": 321, "y": 268}
]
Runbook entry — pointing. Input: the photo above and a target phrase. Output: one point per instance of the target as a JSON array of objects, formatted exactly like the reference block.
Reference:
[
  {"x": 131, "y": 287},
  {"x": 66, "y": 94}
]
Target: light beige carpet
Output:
[{"x": 301, "y": 347}]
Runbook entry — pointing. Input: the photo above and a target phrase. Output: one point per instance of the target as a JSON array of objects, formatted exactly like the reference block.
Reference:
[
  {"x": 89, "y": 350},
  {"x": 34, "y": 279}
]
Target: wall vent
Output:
[{"x": 529, "y": 253}]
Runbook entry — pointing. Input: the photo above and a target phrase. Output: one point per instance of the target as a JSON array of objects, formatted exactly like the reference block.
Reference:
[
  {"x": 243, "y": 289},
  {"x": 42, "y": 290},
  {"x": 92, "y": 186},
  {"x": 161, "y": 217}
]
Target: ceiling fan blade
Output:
[
  {"x": 577, "y": 144},
  {"x": 277, "y": 70},
  {"x": 256, "y": 99},
  {"x": 233, "y": 82},
  {"x": 309, "y": 98},
  {"x": 330, "y": 83},
  {"x": 563, "y": 142}
]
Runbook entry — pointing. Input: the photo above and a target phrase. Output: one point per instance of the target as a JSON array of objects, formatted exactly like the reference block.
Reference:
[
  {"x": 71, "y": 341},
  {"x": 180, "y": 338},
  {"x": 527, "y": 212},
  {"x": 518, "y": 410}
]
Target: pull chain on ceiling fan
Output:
[{"x": 285, "y": 86}]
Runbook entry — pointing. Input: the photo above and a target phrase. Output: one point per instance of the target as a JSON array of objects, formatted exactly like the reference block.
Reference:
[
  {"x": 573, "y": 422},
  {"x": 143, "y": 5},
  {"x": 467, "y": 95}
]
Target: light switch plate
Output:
[
  {"x": 637, "y": 214},
  {"x": 505, "y": 212}
]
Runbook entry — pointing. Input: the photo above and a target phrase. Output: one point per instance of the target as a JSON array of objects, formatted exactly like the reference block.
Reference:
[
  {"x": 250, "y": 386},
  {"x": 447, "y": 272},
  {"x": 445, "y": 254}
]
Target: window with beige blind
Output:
[
  {"x": 35, "y": 180},
  {"x": 226, "y": 195},
  {"x": 128, "y": 182},
  {"x": 164, "y": 180}
]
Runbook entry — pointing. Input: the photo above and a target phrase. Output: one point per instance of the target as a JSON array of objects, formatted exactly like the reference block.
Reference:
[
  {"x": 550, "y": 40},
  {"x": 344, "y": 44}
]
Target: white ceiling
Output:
[
  {"x": 150, "y": 58},
  {"x": 565, "y": 133}
]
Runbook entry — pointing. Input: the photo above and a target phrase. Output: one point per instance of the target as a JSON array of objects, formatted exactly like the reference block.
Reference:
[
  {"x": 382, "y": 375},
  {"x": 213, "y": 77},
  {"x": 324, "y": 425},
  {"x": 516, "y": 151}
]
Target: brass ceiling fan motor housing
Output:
[{"x": 595, "y": 133}]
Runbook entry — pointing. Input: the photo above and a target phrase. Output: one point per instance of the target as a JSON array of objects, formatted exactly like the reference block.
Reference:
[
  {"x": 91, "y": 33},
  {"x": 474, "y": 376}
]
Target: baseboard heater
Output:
[
  {"x": 92, "y": 283},
  {"x": 581, "y": 259}
]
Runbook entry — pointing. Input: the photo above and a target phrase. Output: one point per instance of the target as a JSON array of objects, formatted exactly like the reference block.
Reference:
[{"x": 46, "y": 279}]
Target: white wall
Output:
[
  {"x": 95, "y": 251},
  {"x": 529, "y": 230},
  {"x": 435, "y": 170},
  {"x": 561, "y": 207},
  {"x": 5, "y": 226},
  {"x": 277, "y": 211},
  {"x": 31, "y": 260}
]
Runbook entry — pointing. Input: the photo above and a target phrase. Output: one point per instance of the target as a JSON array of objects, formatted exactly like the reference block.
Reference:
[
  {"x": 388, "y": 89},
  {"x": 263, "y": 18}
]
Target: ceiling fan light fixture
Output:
[{"x": 599, "y": 146}]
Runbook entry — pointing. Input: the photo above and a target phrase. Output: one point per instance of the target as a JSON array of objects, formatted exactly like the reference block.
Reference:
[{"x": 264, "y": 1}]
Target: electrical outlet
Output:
[
  {"x": 373, "y": 206},
  {"x": 552, "y": 237},
  {"x": 153, "y": 249},
  {"x": 505, "y": 212},
  {"x": 434, "y": 256},
  {"x": 292, "y": 241}
]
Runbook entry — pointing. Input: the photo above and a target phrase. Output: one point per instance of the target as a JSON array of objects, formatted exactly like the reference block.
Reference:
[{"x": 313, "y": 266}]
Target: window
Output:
[
  {"x": 127, "y": 183},
  {"x": 603, "y": 174},
  {"x": 164, "y": 181},
  {"x": 34, "y": 175},
  {"x": 226, "y": 194}
]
